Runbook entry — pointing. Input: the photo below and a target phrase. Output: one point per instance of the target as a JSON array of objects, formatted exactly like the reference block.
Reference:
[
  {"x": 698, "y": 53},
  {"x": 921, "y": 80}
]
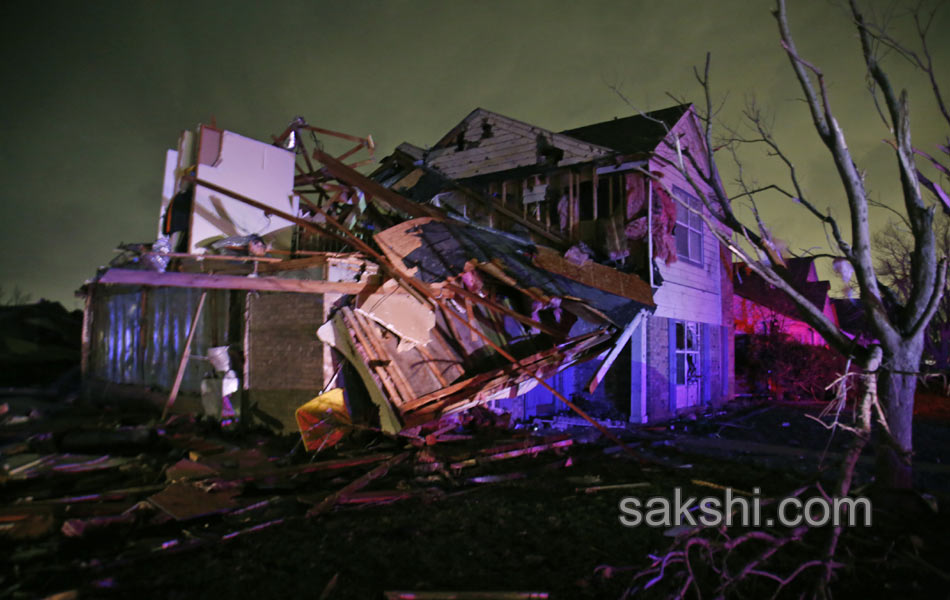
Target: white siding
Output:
[{"x": 689, "y": 292}]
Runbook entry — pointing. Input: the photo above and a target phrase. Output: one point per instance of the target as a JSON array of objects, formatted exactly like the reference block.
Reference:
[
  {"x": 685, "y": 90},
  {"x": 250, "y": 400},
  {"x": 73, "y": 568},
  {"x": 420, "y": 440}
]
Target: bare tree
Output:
[
  {"x": 888, "y": 367},
  {"x": 899, "y": 325},
  {"x": 894, "y": 247},
  {"x": 14, "y": 297}
]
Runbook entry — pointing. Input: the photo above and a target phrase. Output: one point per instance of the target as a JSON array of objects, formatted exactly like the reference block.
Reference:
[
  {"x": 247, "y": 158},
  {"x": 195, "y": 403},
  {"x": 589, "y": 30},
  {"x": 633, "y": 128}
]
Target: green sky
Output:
[{"x": 94, "y": 93}]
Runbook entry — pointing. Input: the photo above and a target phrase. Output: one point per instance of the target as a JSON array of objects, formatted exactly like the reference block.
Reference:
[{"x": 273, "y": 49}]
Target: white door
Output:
[{"x": 688, "y": 371}]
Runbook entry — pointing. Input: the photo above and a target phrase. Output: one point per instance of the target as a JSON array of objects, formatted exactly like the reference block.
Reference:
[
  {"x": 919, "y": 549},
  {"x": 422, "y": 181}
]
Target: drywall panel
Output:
[
  {"x": 253, "y": 169},
  {"x": 168, "y": 185}
]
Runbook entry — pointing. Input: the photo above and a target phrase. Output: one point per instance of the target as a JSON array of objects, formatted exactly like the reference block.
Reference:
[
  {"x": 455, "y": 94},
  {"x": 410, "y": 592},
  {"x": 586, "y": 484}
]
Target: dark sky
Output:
[{"x": 94, "y": 93}]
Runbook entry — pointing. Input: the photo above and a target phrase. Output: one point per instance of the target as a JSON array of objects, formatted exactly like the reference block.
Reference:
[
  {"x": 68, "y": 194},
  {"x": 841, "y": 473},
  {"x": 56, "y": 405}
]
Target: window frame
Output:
[{"x": 684, "y": 196}]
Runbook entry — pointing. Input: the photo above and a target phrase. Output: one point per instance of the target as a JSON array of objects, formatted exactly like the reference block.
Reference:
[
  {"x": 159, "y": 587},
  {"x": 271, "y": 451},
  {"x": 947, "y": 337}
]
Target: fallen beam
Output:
[
  {"x": 233, "y": 282},
  {"x": 614, "y": 352},
  {"x": 596, "y": 275},
  {"x": 185, "y": 355},
  {"x": 356, "y": 179},
  {"x": 356, "y": 485},
  {"x": 488, "y": 595}
]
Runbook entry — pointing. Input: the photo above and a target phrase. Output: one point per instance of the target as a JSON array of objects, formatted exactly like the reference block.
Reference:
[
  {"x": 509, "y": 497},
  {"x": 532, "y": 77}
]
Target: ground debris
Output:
[{"x": 450, "y": 507}]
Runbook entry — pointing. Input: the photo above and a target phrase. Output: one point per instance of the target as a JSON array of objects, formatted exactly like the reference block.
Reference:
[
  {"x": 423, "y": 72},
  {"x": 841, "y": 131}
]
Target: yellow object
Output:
[{"x": 324, "y": 420}]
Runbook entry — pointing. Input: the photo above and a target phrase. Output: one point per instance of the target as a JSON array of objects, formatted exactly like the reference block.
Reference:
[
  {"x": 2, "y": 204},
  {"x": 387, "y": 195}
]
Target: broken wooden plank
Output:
[
  {"x": 372, "y": 360},
  {"x": 615, "y": 351},
  {"x": 363, "y": 498},
  {"x": 596, "y": 275},
  {"x": 232, "y": 282},
  {"x": 347, "y": 175},
  {"x": 356, "y": 485},
  {"x": 224, "y": 257},
  {"x": 183, "y": 501},
  {"x": 185, "y": 355},
  {"x": 426, "y": 595},
  {"x": 405, "y": 388},
  {"x": 616, "y": 486},
  {"x": 512, "y": 453}
]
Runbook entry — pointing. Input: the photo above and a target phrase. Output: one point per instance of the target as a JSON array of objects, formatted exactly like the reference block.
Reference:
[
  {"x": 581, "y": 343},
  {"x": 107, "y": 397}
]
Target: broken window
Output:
[
  {"x": 687, "y": 368},
  {"x": 689, "y": 227}
]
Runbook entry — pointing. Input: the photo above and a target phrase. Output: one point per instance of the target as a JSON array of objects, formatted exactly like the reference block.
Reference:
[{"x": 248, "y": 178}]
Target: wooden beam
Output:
[
  {"x": 233, "y": 282},
  {"x": 615, "y": 352},
  {"x": 224, "y": 257},
  {"x": 367, "y": 141},
  {"x": 595, "y": 275},
  {"x": 185, "y": 355},
  {"x": 349, "y": 176},
  {"x": 293, "y": 264}
]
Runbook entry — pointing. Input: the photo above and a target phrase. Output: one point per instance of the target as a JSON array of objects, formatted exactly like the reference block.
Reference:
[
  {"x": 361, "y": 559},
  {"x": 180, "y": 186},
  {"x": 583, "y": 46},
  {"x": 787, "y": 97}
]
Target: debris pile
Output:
[
  {"x": 109, "y": 495},
  {"x": 427, "y": 314}
]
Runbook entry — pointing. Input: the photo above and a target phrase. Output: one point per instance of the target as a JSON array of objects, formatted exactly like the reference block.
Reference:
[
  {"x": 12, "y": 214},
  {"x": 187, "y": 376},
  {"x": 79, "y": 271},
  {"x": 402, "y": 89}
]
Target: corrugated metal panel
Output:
[
  {"x": 169, "y": 313},
  {"x": 115, "y": 333},
  {"x": 138, "y": 336}
]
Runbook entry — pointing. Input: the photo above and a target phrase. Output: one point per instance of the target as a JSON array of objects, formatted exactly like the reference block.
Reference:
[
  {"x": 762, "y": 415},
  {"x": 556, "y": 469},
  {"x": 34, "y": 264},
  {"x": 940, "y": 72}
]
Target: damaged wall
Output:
[
  {"x": 136, "y": 335},
  {"x": 486, "y": 142}
]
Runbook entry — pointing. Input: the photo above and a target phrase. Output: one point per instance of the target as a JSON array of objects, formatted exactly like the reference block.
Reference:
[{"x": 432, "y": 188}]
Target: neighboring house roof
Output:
[
  {"x": 851, "y": 317},
  {"x": 749, "y": 285},
  {"x": 801, "y": 269},
  {"x": 632, "y": 135}
]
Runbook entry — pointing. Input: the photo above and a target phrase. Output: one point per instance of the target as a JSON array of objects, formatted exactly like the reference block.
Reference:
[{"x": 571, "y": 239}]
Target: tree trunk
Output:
[{"x": 896, "y": 387}]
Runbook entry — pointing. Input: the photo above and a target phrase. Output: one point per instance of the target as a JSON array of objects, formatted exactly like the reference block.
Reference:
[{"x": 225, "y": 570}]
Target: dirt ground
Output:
[{"x": 538, "y": 521}]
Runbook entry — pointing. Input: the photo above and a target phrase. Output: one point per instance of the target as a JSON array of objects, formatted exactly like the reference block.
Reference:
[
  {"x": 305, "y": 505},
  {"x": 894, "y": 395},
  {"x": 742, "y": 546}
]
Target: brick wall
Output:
[
  {"x": 658, "y": 368},
  {"x": 284, "y": 356}
]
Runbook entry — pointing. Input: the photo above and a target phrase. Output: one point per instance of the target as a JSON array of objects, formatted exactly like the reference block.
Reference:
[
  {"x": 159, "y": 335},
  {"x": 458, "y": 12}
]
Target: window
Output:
[
  {"x": 689, "y": 228},
  {"x": 687, "y": 352}
]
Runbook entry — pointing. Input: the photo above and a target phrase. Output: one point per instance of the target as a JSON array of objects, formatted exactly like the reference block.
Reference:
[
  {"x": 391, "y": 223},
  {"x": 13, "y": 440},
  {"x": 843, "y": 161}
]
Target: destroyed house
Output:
[
  {"x": 608, "y": 198},
  {"x": 280, "y": 274},
  {"x": 507, "y": 266}
]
